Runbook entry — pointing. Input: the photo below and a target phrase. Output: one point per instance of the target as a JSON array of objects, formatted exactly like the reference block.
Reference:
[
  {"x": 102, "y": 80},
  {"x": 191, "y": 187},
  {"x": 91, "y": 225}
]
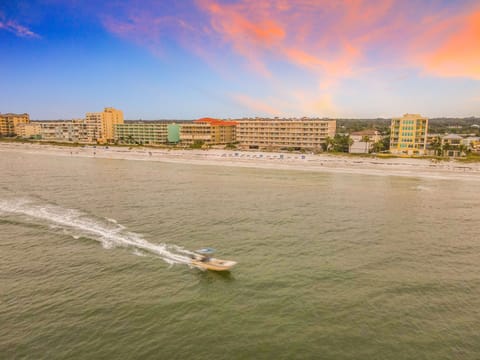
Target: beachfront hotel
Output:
[
  {"x": 208, "y": 131},
  {"x": 100, "y": 125},
  {"x": 409, "y": 135},
  {"x": 284, "y": 133},
  {"x": 9, "y": 123}
]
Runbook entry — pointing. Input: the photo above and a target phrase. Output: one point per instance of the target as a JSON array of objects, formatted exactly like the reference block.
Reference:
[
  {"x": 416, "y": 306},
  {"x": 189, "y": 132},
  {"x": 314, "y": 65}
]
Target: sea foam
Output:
[{"x": 104, "y": 230}]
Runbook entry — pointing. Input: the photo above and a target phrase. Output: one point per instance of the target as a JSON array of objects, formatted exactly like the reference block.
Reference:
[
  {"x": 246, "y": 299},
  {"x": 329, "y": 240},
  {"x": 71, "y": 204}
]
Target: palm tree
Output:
[
  {"x": 328, "y": 143},
  {"x": 366, "y": 140},
  {"x": 462, "y": 149},
  {"x": 130, "y": 139},
  {"x": 445, "y": 148},
  {"x": 350, "y": 142},
  {"x": 436, "y": 145}
]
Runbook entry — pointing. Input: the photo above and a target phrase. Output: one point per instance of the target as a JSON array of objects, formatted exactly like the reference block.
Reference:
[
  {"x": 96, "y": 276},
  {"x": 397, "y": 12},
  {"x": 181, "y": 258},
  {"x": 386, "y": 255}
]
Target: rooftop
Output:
[{"x": 215, "y": 122}]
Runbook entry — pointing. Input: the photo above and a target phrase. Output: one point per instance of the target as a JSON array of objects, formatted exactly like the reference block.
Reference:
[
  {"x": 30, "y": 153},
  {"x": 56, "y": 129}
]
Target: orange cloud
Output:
[
  {"x": 459, "y": 54},
  {"x": 248, "y": 36},
  {"x": 334, "y": 39},
  {"x": 260, "y": 31}
]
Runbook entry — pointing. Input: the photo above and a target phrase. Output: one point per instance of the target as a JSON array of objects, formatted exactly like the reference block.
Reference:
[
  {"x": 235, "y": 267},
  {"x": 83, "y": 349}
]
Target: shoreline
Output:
[{"x": 406, "y": 167}]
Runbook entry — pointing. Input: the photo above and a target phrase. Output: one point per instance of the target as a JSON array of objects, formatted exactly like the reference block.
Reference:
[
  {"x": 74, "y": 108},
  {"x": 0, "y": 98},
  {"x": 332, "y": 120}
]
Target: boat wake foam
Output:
[{"x": 106, "y": 231}]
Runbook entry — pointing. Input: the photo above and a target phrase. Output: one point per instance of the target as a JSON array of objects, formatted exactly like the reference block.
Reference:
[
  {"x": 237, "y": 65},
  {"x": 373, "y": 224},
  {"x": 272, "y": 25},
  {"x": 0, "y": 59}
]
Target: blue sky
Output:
[{"x": 229, "y": 59}]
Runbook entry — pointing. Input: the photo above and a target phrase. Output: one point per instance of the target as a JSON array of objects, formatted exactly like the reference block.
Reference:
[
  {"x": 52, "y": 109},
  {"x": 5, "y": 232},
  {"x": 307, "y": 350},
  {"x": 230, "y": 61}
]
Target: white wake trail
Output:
[{"x": 107, "y": 231}]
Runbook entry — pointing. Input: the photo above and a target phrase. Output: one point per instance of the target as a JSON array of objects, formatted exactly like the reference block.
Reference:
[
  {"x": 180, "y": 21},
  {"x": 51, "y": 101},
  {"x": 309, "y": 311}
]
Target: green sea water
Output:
[{"x": 94, "y": 263}]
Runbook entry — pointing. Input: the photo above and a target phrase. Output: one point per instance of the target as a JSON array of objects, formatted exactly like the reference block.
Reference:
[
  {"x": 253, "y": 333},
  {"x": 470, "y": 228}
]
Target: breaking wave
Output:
[{"x": 106, "y": 231}]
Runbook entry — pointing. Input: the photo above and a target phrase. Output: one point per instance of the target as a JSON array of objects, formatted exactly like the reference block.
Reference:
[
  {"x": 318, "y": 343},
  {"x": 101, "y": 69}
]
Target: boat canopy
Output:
[{"x": 206, "y": 251}]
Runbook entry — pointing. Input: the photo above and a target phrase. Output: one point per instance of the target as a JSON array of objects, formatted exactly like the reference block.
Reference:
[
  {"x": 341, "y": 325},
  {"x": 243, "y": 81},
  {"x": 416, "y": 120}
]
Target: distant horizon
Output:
[{"x": 280, "y": 117}]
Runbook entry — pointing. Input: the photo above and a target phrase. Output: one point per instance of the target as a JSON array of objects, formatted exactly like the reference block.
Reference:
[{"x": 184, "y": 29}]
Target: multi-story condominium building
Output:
[
  {"x": 100, "y": 125},
  {"x": 208, "y": 131},
  {"x": 409, "y": 135},
  {"x": 141, "y": 133},
  {"x": 65, "y": 131},
  {"x": 9, "y": 123},
  {"x": 284, "y": 133},
  {"x": 29, "y": 130}
]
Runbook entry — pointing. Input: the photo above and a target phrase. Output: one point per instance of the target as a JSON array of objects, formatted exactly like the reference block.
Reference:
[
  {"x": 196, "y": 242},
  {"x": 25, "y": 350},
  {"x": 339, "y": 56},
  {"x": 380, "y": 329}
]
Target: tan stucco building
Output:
[
  {"x": 65, "y": 131},
  {"x": 208, "y": 131},
  {"x": 28, "y": 130},
  {"x": 9, "y": 123},
  {"x": 101, "y": 125},
  {"x": 284, "y": 133}
]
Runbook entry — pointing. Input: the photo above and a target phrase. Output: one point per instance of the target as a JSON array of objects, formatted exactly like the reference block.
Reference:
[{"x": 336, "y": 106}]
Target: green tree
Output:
[
  {"x": 386, "y": 142},
  {"x": 341, "y": 143},
  {"x": 378, "y": 146}
]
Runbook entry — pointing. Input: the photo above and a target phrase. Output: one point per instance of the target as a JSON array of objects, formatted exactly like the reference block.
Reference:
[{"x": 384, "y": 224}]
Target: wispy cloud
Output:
[
  {"x": 329, "y": 41},
  {"x": 17, "y": 29}
]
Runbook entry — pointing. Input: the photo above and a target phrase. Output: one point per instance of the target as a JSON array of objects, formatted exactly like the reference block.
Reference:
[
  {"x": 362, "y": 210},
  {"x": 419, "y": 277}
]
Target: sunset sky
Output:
[{"x": 185, "y": 59}]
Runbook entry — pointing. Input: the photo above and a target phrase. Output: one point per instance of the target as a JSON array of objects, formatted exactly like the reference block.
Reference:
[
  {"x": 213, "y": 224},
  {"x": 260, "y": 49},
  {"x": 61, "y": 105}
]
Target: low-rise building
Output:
[
  {"x": 472, "y": 143},
  {"x": 9, "y": 123},
  {"x": 408, "y": 135},
  {"x": 284, "y": 133},
  {"x": 452, "y": 145},
  {"x": 364, "y": 140}
]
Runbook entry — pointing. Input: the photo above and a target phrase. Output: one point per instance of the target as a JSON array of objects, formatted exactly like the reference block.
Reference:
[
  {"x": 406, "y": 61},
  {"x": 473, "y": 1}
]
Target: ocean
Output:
[{"x": 94, "y": 263}]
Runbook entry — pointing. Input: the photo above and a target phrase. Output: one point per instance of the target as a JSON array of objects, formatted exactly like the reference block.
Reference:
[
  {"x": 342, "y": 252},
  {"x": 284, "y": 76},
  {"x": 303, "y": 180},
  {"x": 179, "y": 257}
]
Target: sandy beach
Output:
[{"x": 424, "y": 168}]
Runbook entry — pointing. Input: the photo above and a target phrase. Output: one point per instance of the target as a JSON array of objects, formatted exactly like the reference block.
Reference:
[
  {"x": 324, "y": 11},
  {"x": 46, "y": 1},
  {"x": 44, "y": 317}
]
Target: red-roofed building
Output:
[{"x": 208, "y": 131}]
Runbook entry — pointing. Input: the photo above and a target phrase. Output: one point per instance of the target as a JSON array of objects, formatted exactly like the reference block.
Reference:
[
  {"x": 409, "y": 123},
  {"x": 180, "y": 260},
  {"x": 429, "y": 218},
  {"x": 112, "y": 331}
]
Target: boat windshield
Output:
[{"x": 206, "y": 251}]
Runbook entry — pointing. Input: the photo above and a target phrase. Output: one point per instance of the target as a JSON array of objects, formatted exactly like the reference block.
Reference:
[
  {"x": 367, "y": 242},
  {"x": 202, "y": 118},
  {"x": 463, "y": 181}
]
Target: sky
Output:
[{"x": 187, "y": 59}]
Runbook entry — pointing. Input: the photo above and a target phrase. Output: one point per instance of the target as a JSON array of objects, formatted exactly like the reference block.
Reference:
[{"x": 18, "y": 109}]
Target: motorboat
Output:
[{"x": 202, "y": 259}]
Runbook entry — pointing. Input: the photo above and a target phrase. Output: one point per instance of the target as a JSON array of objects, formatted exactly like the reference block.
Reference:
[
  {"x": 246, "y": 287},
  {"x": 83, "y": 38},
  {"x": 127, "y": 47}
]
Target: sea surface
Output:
[{"x": 94, "y": 263}]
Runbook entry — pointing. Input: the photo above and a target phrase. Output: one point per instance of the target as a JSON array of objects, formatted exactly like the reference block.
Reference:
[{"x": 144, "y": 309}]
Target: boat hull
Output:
[{"x": 214, "y": 264}]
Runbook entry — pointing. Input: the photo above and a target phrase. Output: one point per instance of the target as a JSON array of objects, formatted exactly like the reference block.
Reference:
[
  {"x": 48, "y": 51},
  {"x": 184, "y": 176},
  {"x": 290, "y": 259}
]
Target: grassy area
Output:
[{"x": 470, "y": 158}]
